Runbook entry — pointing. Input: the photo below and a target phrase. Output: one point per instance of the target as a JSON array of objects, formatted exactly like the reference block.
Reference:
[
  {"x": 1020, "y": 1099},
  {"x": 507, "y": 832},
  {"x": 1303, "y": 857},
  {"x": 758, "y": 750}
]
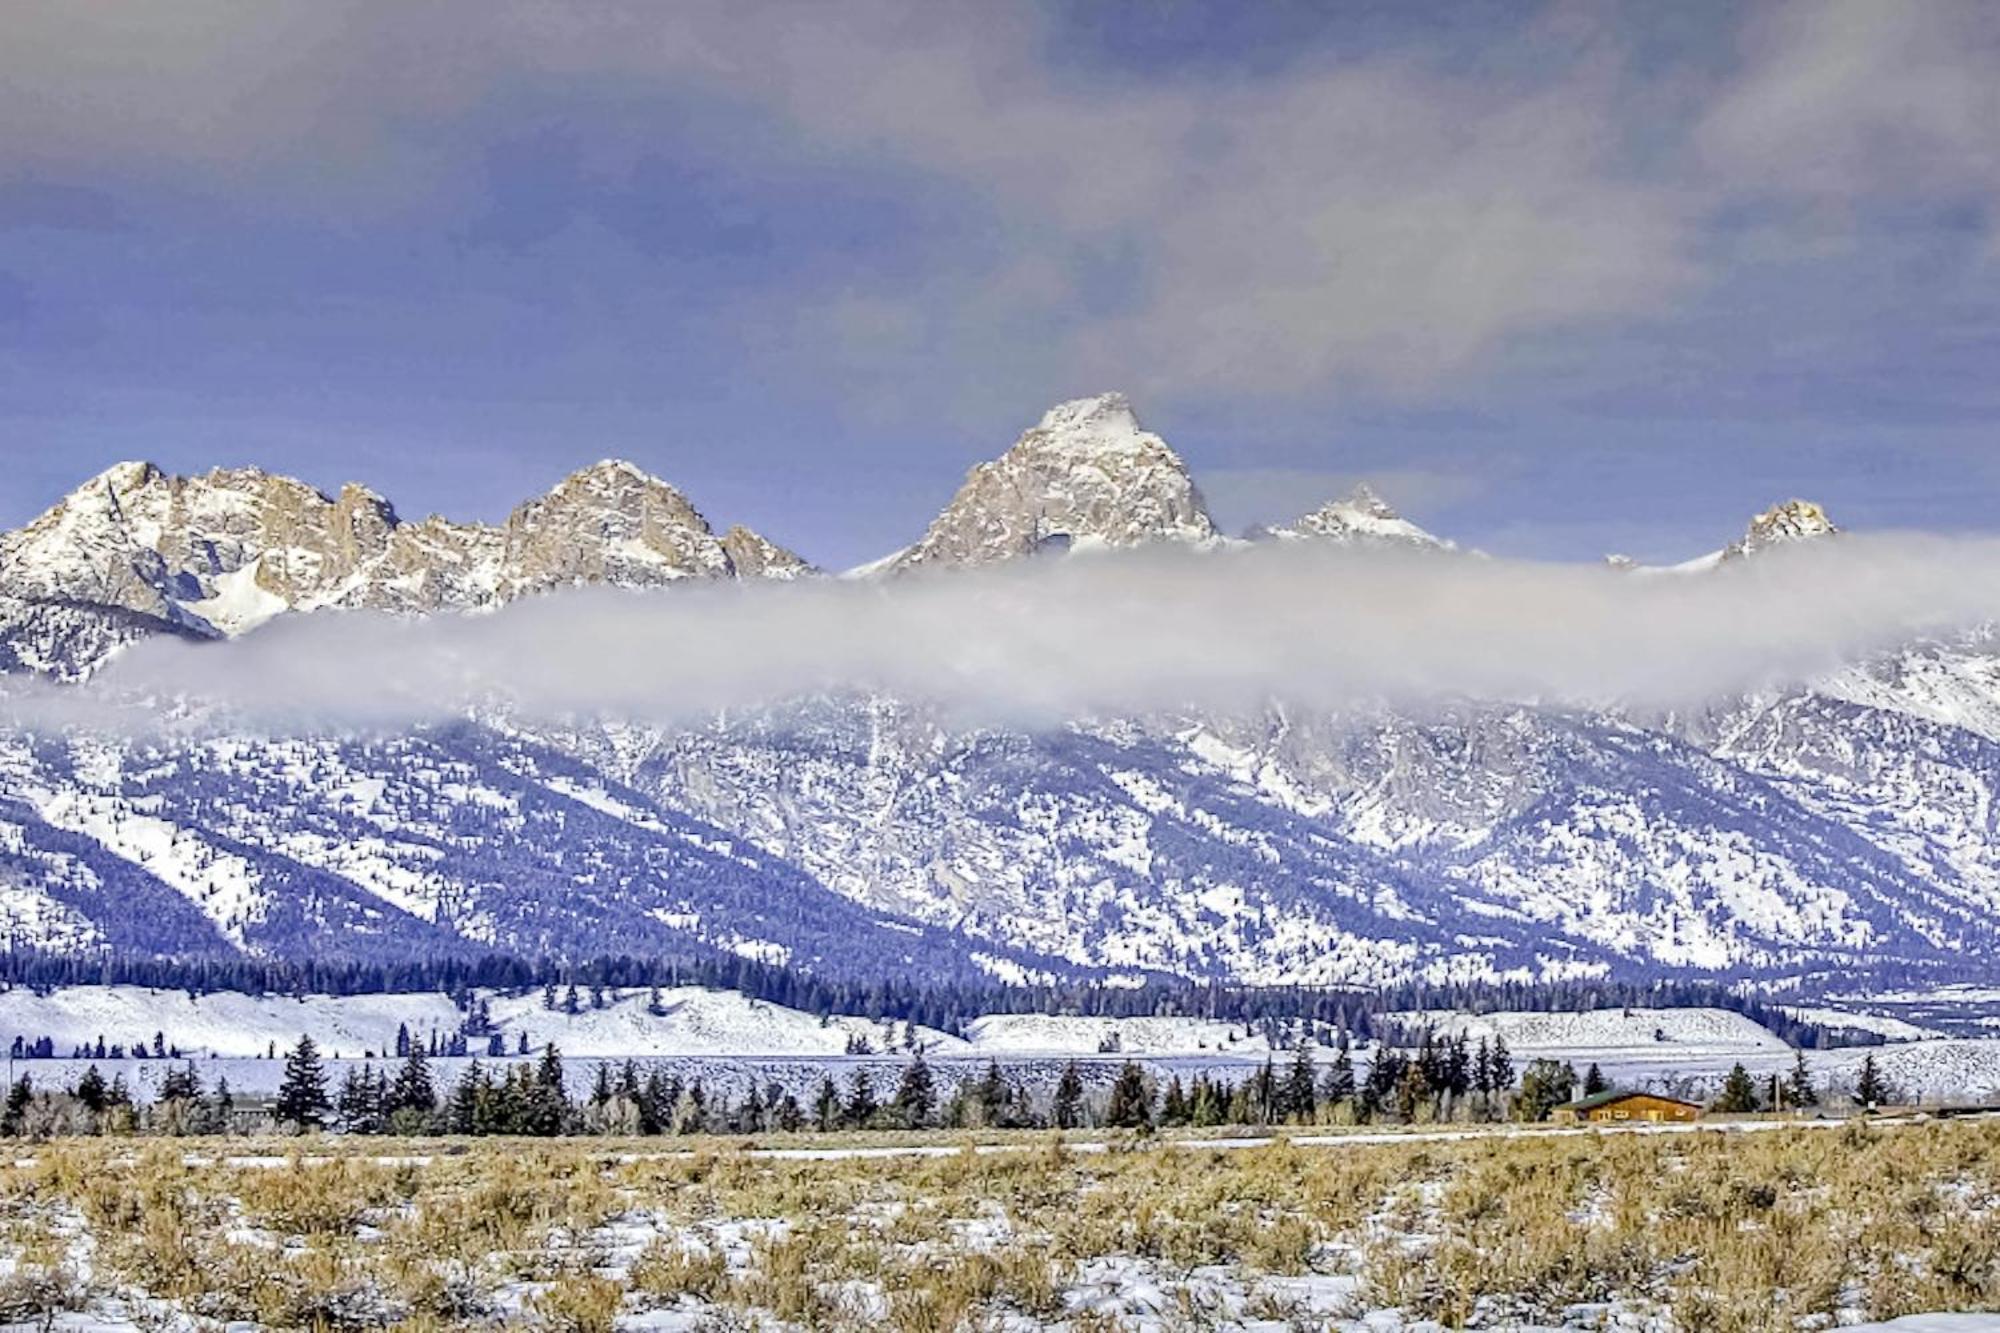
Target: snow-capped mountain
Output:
[
  {"x": 1846, "y": 824},
  {"x": 1359, "y": 518},
  {"x": 1086, "y": 476},
  {"x": 223, "y": 553},
  {"x": 1780, "y": 525}
]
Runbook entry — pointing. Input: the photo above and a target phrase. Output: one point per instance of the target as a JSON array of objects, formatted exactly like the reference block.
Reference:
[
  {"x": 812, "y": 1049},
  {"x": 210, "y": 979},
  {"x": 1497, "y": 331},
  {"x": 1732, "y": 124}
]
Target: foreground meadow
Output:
[{"x": 1786, "y": 1229}]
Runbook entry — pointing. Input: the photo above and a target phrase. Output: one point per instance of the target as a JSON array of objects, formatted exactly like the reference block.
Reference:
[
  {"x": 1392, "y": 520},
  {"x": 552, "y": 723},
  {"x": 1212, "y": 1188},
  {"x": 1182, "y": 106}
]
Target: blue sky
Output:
[{"x": 1561, "y": 280}]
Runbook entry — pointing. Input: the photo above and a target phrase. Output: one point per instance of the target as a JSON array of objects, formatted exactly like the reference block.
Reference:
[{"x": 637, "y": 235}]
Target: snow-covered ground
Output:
[
  {"x": 686, "y": 1021},
  {"x": 730, "y": 1041},
  {"x": 1886, "y": 1026},
  {"x": 1670, "y": 1034},
  {"x": 1046, "y": 1034}
]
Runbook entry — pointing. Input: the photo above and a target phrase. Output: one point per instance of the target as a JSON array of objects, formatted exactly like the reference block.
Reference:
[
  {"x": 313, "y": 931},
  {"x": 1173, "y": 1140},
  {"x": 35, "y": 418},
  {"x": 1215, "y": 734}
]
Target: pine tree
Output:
[
  {"x": 916, "y": 1095},
  {"x": 1131, "y": 1105},
  {"x": 222, "y": 1107},
  {"x": 826, "y": 1104},
  {"x": 1739, "y": 1093},
  {"x": 1340, "y": 1079},
  {"x": 302, "y": 1098},
  {"x": 1300, "y": 1095},
  {"x": 90, "y": 1090},
  {"x": 861, "y": 1106},
  {"x": 1593, "y": 1080},
  {"x": 413, "y": 1089},
  {"x": 1068, "y": 1108},
  {"x": 1799, "y": 1090},
  {"x": 360, "y": 1105},
  {"x": 466, "y": 1096},
  {"x": 1872, "y": 1090},
  {"x": 1174, "y": 1108},
  {"x": 18, "y": 1097},
  {"x": 1502, "y": 1066}
]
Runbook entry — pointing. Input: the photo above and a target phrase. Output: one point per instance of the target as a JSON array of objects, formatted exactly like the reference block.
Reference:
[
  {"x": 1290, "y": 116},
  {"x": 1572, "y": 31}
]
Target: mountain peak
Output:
[
  {"x": 1781, "y": 524},
  {"x": 1103, "y": 422},
  {"x": 1361, "y": 517},
  {"x": 1086, "y": 476}
]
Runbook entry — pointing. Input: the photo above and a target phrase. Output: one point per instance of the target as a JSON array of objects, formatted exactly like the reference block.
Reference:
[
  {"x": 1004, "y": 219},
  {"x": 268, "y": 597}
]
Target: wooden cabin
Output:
[{"x": 1625, "y": 1107}]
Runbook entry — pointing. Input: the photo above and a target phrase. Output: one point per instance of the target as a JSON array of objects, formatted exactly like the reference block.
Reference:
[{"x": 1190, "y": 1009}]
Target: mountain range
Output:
[{"x": 1843, "y": 825}]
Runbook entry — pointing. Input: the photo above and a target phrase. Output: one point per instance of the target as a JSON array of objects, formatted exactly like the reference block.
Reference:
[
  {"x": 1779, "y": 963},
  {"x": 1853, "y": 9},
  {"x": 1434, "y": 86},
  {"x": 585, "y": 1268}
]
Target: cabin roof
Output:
[{"x": 1597, "y": 1099}]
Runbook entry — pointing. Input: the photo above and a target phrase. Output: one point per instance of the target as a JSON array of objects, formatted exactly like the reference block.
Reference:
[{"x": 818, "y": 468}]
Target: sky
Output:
[{"x": 1560, "y": 280}]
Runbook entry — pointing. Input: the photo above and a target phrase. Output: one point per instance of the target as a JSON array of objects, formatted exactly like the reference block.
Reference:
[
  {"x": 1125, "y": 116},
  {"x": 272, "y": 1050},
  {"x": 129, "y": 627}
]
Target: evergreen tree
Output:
[
  {"x": 1799, "y": 1090},
  {"x": 1340, "y": 1079},
  {"x": 413, "y": 1089},
  {"x": 826, "y": 1105},
  {"x": 916, "y": 1095},
  {"x": 859, "y": 1112},
  {"x": 90, "y": 1090},
  {"x": 302, "y": 1098},
  {"x": 1593, "y": 1080},
  {"x": 1872, "y": 1090},
  {"x": 360, "y": 1106},
  {"x": 990, "y": 1097},
  {"x": 1501, "y": 1069},
  {"x": 1068, "y": 1108},
  {"x": 15, "y": 1118},
  {"x": 1131, "y": 1105},
  {"x": 463, "y": 1114},
  {"x": 1739, "y": 1093},
  {"x": 545, "y": 1109},
  {"x": 222, "y": 1107},
  {"x": 1299, "y": 1096}
]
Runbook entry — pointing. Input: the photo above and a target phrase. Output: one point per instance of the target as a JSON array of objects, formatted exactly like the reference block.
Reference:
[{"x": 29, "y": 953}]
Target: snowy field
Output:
[{"x": 730, "y": 1041}]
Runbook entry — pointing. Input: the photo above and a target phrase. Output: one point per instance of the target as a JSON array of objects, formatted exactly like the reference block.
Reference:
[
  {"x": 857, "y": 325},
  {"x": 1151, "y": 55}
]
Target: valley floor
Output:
[{"x": 1792, "y": 1228}]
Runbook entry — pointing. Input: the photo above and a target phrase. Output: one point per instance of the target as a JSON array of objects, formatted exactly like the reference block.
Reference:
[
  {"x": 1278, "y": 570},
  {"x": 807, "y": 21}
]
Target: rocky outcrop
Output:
[
  {"x": 224, "y": 552},
  {"x": 1086, "y": 476}
]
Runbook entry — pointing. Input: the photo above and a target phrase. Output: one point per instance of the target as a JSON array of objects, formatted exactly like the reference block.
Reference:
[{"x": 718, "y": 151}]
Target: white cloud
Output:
[{"x": 1044, "y": 641}]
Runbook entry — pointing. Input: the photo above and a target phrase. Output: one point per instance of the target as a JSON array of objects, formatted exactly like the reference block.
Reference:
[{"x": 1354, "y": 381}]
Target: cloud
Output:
[
  {"x": 1043, "y": 642},
  {"x": 1391, "y": 212},
  {"x": 1845, "y": 100}
]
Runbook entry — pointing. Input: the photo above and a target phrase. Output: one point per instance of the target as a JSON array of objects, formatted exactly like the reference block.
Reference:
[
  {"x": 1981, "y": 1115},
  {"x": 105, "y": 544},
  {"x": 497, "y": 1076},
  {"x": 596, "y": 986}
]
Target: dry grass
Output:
[{"x": 1776, "y": 1230}]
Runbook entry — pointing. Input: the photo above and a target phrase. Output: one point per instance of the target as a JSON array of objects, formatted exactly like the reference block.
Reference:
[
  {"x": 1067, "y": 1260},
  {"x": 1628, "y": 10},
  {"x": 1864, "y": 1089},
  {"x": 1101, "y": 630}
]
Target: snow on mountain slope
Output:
[
  {"x": 454, "y": 841},
  {"x": 1359, "y": 518},
  {"x": 1088, "y": 475},
  {"x": 1849, "y": 824},
  {"x": 686, "y": 1020},
  {"x": 1607, "y": 1031},
  {"x": 225, "y": 552},
  {"x": 1859, "y": 1020},
  {"x": 1069, "y": 1034}
]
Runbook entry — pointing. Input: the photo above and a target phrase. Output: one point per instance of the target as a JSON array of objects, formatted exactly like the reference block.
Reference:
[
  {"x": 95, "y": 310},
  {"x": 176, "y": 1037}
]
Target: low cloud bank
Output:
[{"x": 1041, "y": 642}]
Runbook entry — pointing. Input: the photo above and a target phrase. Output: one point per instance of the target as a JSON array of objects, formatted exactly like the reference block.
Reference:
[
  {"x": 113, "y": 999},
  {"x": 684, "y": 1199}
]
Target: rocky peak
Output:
[
  {"x": 1361, "y": 518},
  {"x": 752, "y": 556},
  {"x": 1792, "y": 521},
  {"x": 223, "y": 552},
  {"x": 1088, "y": 475}
]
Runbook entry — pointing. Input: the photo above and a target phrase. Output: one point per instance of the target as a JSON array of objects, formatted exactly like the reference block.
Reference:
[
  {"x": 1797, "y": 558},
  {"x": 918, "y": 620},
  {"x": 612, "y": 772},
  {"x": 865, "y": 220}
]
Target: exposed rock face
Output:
[
  {"x": 1360, "y": 518},
  {"x": 1087, "y": 476},
  {"x": 1792, "y": 521},
  {"x": 224, "y": 552}
]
